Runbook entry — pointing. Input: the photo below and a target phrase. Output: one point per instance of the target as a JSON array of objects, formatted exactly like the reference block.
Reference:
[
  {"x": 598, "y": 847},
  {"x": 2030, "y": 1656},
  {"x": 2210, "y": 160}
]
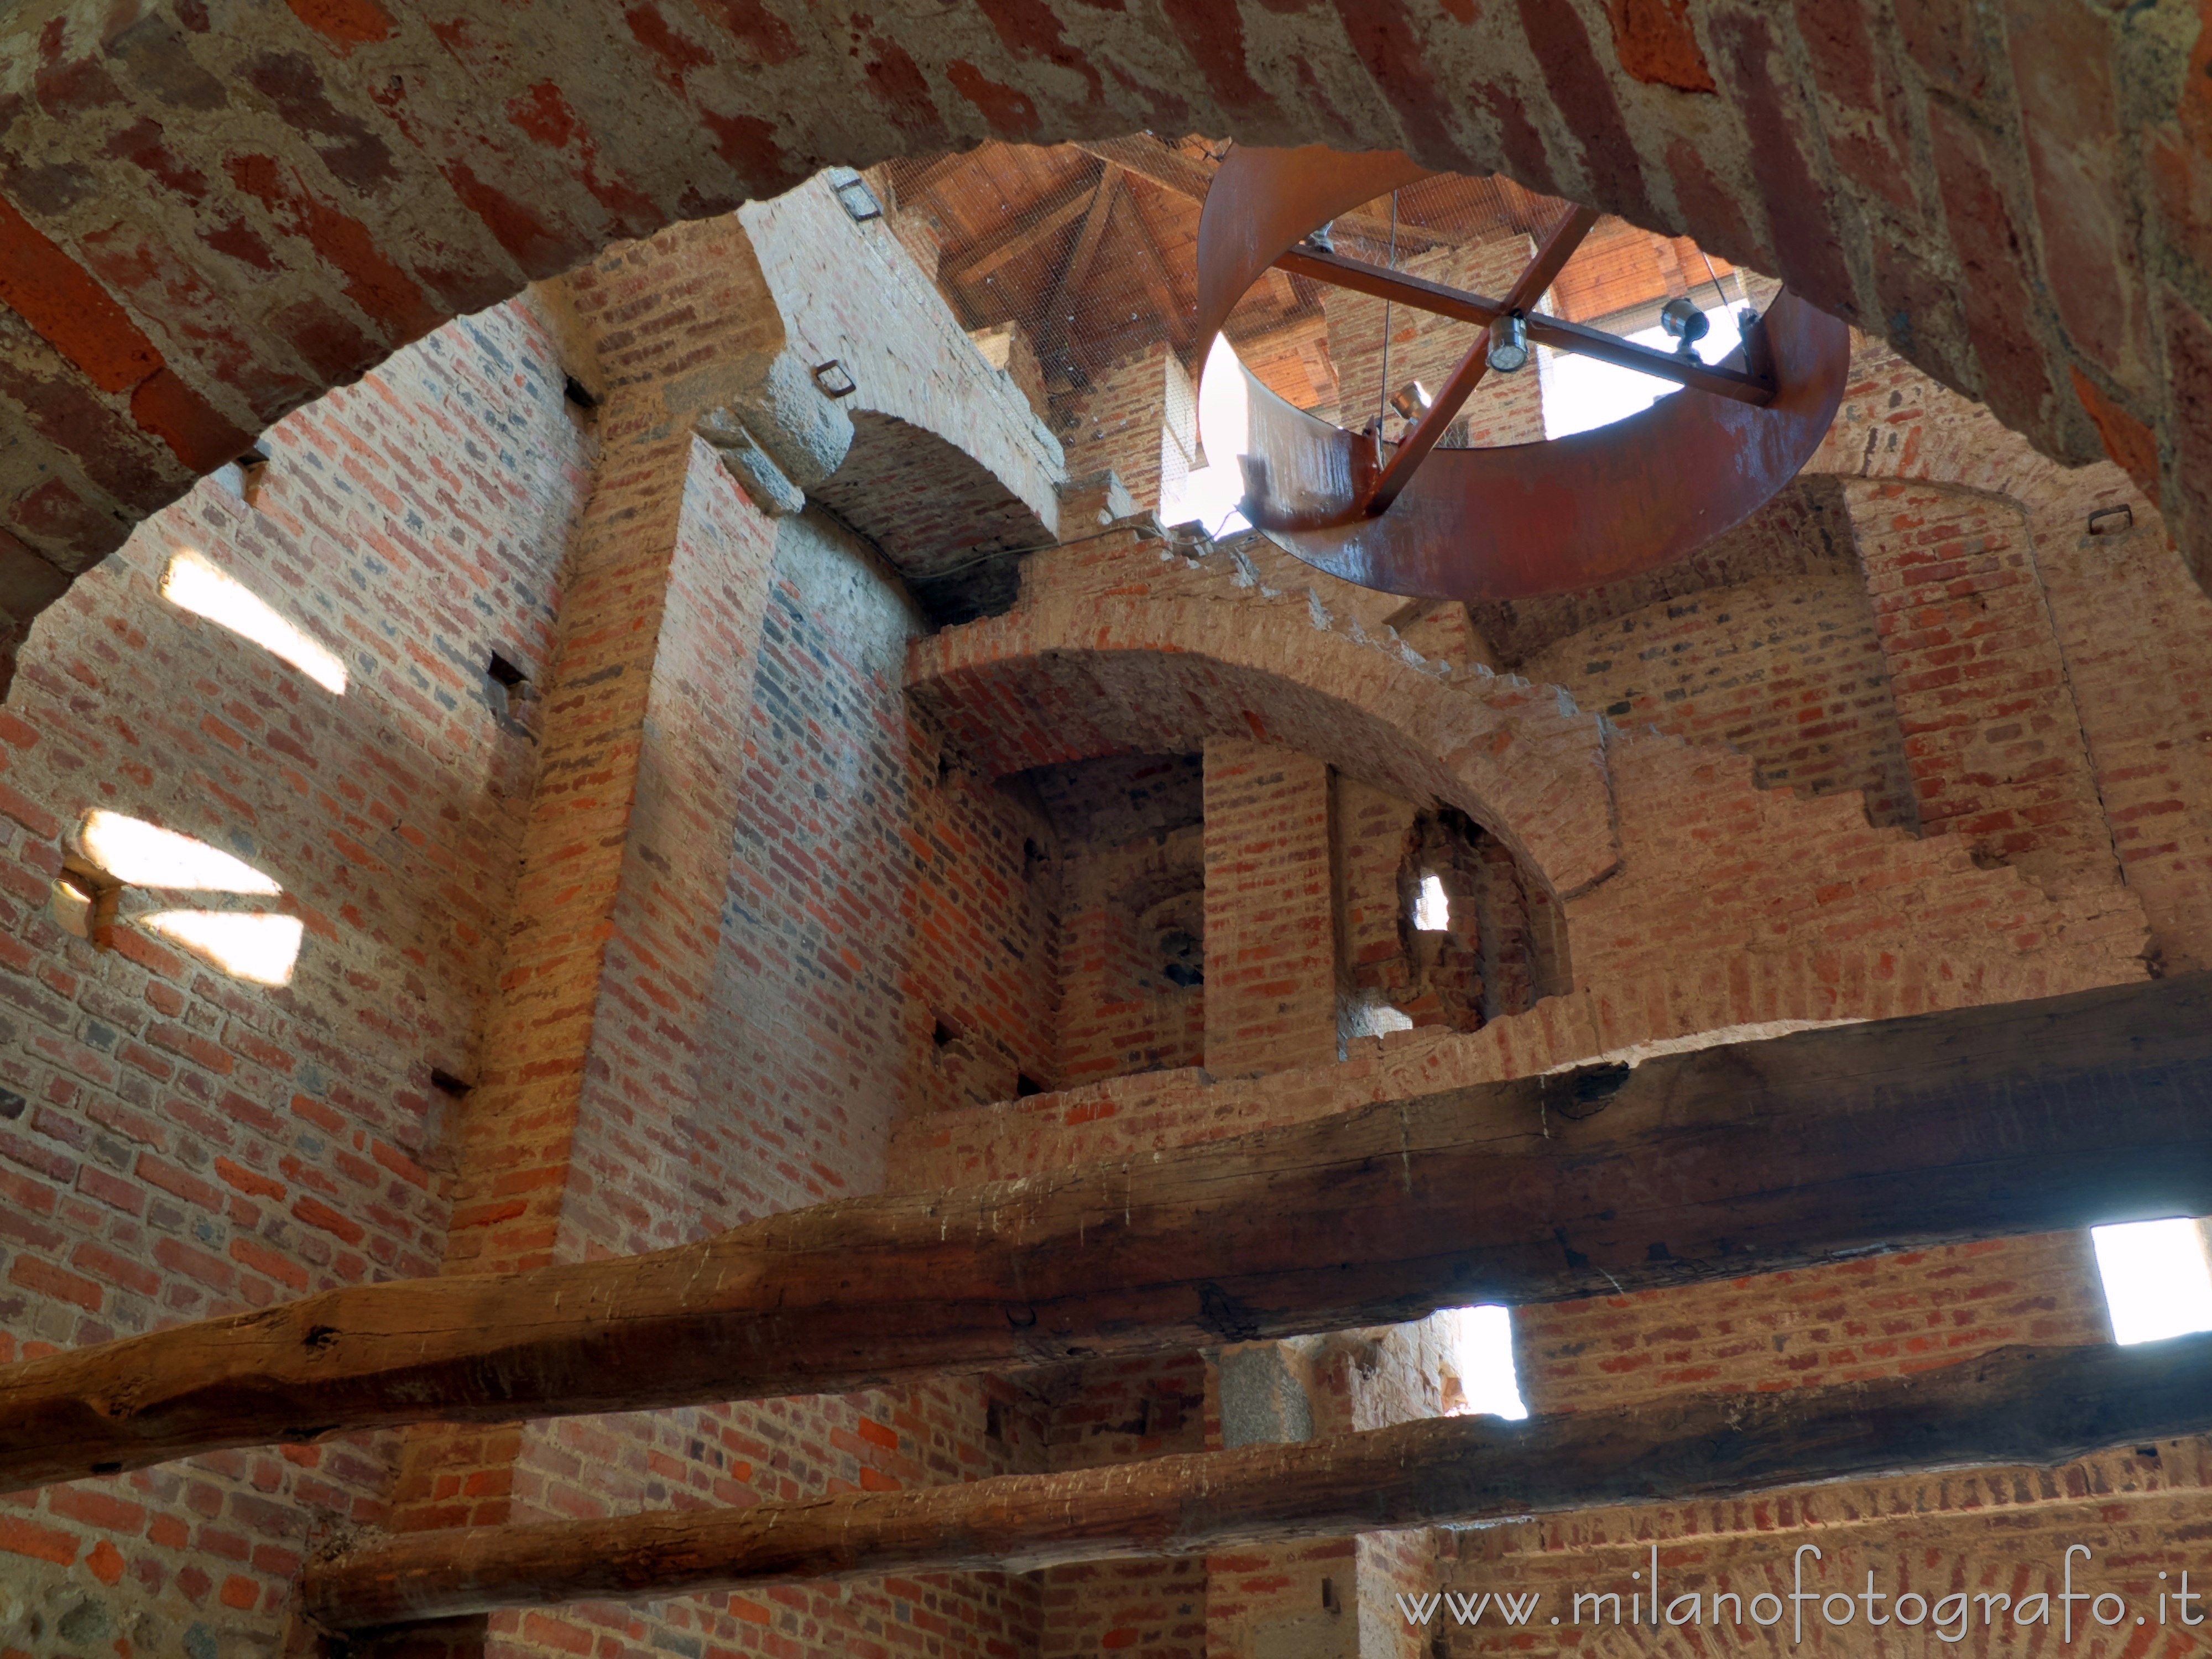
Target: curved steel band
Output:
[{"x": 1486, "y": 524}]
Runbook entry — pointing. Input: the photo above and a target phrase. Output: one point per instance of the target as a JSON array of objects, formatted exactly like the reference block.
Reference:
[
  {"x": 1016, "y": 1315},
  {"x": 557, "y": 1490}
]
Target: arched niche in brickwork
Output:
[
  {"x": 208, "y": 219},
  {"x": 936, "y": 512},
  {"x": 1128, "y": 647}
]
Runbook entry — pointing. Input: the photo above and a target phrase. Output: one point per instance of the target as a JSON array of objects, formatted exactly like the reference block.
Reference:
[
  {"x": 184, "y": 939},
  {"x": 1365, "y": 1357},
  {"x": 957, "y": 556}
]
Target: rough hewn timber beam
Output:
[
  {"x": 1163, "y": 164},
  {"x": 2025, "y": 1117},
  {"x": 2017, "y": 1406}
]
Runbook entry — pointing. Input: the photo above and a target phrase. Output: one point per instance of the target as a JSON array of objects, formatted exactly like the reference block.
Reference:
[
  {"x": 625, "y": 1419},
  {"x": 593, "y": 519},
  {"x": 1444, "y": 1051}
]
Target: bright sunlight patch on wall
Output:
[
  {"x": 143, "y": 854},
  {"x": 1478, "y": 1377},
  {"x": 261, "y": 948},
  {"x": 130, "y": 853},
  {"x": 2157, "y": 1281},
  {"x": 194, "y": 585}
]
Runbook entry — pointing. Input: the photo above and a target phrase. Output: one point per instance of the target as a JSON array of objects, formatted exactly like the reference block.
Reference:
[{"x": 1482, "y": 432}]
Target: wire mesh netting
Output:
[{"x": 1075, "y": 267}]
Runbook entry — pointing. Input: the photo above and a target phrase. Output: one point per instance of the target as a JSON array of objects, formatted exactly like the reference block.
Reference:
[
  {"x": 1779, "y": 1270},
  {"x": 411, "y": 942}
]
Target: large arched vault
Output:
[{"x": 212, "y": 211}]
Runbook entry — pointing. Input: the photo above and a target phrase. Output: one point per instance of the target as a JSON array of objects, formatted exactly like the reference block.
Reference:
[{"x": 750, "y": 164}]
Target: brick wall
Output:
[
  {"x": 1993, "y": 733},
  {"x": 1137, "y": 418},
  {"x": 1984, "y": 1531},
  {"x": 1121, "y": 1012},
  {"x": 1789, "y": 671},
  {"x": 1887, "y": 1316},
  {"x": 2135, "y": 635},
  {"x": 1270, "y": 915},
  {"x": 1999, "y": 1532},
  {"x": 178, "y": 1142}
]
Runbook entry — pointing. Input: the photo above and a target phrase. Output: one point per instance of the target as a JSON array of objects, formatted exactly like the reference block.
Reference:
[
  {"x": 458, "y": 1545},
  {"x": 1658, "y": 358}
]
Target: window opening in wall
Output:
[
  {"x": 1433, "y": 909},
  {"x": 1026, "y": 1085},
  {"x": 944, "y": 1036},
  {"x": 193, "y": 583},
  {"x": 447, "y": 1084},
  {"x": 1478, "y": 1379},
  {"x": 2158, "y": 1281},
  {"x": 244, "y": 477},
  {"x": 577, "y": 393},
  {"x": 1211, "y": 494},
  {"x": 84, "y": 900},
  {"x": 1182, "y": 958},
  {"x": 511, "y": 679}
]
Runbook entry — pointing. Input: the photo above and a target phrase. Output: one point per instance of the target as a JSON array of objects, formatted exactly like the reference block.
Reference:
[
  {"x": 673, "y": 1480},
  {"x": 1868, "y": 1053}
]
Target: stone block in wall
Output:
[
  {"x": 1094, "y": 501},
  {"x": 1005, "y": 346}
]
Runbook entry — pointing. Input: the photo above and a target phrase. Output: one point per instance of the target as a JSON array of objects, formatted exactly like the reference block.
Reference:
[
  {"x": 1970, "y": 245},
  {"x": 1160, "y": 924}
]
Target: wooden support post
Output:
[
  {"x": 2012, "y": 1407},
  {"x": 1985, "y": 1123}
]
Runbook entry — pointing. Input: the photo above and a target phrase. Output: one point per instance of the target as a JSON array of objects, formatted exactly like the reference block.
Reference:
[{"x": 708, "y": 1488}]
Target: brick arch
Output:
[
  {"x": 1125, "y": 646},
  {"x": 207, "y": 218},
  {"x": 932, "y": 508},
  {"x": 1733, "y": 906}
]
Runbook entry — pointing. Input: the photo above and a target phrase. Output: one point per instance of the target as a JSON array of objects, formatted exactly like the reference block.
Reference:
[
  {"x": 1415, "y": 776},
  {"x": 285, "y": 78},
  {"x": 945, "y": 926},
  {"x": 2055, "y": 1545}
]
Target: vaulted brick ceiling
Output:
[{"x": 211, "y": 210}]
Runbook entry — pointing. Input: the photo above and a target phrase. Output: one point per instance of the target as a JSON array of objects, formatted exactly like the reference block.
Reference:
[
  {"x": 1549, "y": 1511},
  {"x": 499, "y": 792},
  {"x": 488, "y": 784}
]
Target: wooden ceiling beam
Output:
[
  {"x": 1152, "y": 272},
  {"x": 2012, "y": 1408},
  {"x": 1150, "y": 159},
  {"x": 1155, "y": 162},
  {"x": 1055, "y": 333},
  {"x": 935, "y": 173},
  {"x": 1002, "y": 250},
  {"x": 1978, "y": 1123}
]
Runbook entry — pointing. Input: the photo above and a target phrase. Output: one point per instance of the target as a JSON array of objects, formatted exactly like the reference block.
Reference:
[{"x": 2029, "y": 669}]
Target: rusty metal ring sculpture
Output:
[{"x": 1517, "y": 521}]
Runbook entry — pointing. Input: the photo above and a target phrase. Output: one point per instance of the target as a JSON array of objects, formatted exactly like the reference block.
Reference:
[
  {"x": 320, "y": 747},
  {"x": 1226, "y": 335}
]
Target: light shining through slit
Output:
[
  {"x": 143, "y": 854},
  {"x": 1432, "y": 913},
  {"x": 2157, "y": 1281},
  {"x": 260, "y": 948},
  {"x": 1479, "y": 1342},
  {"x": 193, "y": 584}
]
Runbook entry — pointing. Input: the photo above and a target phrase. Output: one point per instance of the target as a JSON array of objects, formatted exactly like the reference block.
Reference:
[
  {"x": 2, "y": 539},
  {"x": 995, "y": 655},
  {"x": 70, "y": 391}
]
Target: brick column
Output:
[
  {"x": 2136, "y": 635},
  {"x": 1992, "y": 734},
  {"x": 573, "y": 1142},
  {"x": 1270, "y": 931},
  {"x": 1271, "y": 999}
]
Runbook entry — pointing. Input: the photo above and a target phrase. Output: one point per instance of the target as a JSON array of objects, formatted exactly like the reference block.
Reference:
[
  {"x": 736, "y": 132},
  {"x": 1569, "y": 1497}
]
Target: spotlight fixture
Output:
[
  {"x": 853, "y": 195},
  {"x": 1509, "y": 343},
  {"x": 1681, "y": 318},
  {"x": 1411, "y": 400}
]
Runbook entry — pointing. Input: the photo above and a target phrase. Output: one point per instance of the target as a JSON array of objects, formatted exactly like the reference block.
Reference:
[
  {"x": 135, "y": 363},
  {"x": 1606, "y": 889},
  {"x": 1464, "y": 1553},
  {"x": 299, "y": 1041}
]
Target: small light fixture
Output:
[
  {"x": 1322, "y": 238},
  {"x": 1509, "y": 343},
  {"x": 1681, "y": 318},
  {"x": 1411, "y": 400},
  {"x": 2113, "y": 520},
  {"x": 858, "y": 201},
  {"x": 834, "y": 379}
]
